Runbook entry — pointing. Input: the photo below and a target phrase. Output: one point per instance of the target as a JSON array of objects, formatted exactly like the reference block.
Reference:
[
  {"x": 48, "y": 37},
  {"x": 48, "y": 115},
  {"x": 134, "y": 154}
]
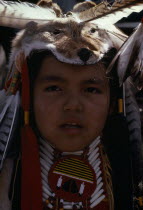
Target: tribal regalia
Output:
[{"x": 82, "y": 179}]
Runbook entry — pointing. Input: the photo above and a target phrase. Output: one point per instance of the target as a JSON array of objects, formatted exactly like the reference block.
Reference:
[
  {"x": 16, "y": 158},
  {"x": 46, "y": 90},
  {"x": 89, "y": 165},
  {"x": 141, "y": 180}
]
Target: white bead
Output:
[
  {"x": 97, "y": 170},
  {"x": 44, "y": 164},
  {"x": 99, "y": 180},
  {"x": 45, "y": 196},
  {"x": 46, "y": 191},
  {"x": 95, "y": 145},
  {"x": 66, "y": 203},
  {"x": 59, "y": 183},
  {"x": 97, "y": 164},
  {"x": 97, "y": 201},
  {"x": 96, "y": 196},
  {"x": 67, "y": 206},
  {"x": 98, "y": 174},
  {"x": 44, "y": 177},
  {"x": 46, "y": 145},
  {"x": 95, "y": 158},
  {"x": 94, "y": 142},
  {"x": 46, "y": 158},
  {"x": 43, "y": 150},
  {"x": 45, "y": 184},
  {"x": 98, "y": 188},
  {"x": 81, "y": 190},
  {"x": 44, "y": 172},
  {"x": 91, "y": 157},
  {"x": 50, "y": 205}
]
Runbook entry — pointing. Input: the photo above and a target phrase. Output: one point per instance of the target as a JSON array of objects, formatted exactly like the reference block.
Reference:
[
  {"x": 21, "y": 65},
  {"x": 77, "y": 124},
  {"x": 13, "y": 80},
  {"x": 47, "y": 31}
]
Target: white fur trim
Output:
[{"x": 39, "y": 45}]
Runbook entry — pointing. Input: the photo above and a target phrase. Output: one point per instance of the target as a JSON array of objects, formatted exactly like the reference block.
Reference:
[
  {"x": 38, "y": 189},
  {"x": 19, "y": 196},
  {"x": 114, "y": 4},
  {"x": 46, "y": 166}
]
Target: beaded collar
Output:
[{"x": 75, "y": 180}]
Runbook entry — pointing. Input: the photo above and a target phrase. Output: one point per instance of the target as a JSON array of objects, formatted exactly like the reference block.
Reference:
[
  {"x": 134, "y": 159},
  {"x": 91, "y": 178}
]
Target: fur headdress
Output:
[{"x": 90, "y": 32}]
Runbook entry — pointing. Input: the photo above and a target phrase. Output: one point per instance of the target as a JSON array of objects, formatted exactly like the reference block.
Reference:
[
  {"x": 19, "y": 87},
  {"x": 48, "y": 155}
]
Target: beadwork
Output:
[{"x": 51, "y": 162}]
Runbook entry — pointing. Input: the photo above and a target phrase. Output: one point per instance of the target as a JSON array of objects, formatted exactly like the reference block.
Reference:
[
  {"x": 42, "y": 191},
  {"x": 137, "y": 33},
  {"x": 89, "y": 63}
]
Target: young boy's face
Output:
[{"x": 71, "y": 103}]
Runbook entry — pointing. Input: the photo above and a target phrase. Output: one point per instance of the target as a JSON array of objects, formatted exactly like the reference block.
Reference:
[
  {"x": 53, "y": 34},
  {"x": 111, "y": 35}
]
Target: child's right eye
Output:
[{"x": 52, "y": 88}]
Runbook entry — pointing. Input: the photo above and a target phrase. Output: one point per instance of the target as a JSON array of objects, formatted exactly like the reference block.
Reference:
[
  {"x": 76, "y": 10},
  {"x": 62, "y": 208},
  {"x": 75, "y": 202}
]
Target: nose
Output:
[
  {"x": 84, "y": 54},
  {"x": 73, "y": 103}
]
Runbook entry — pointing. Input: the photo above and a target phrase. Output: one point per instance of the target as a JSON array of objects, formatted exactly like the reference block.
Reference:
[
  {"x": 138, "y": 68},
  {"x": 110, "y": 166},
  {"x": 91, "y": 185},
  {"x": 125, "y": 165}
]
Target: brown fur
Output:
[
  {"x": 68, "y": 37},
  {"x": 50, "y": 4},
  {"x": 80, "y": 7}
]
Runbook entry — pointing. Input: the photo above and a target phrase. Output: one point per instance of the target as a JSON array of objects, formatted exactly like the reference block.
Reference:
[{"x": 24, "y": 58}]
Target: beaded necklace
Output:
[{"x": 75, "y": 180}]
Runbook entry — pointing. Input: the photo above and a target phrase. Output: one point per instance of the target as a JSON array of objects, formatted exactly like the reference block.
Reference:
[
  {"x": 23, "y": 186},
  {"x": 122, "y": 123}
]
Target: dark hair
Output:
[{"x": 34, "y": 62}]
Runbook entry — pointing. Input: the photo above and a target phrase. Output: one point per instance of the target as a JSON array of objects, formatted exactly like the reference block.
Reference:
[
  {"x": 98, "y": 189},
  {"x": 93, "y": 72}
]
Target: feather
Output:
[
  {"x": 17, "y": 15},
  {"x": 9, "y": 113},
  {"x": 135, "y": 138},
  {"x": 129, "y": 59},
  {"x": 104, "y": 12},
  {"x": 2, "y": 57},
  {"x": 2, "y": 66}
]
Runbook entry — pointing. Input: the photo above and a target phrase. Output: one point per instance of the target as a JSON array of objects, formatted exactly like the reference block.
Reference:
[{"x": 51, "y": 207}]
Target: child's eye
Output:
[
  {"x": 53, "y": 88},
  {"x": 92, "y": 90}
]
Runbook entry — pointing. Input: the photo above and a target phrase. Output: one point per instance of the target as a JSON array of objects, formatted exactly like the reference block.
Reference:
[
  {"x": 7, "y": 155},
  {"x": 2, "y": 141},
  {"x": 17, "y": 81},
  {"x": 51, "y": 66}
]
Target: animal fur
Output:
[
  {"x": 81, "y": 7},
  {"x": 50, "y": 4},
  {"x": 58, "y": 35}
]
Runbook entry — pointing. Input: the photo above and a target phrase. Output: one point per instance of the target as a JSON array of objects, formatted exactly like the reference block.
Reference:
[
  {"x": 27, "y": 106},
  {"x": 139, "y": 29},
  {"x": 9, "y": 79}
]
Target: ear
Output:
[
  {"x": 81, "y": 7},
  {"x": 45, "y": 3},
  {"x": 53, "y": 6},
  {"x": 31, "y": 27}
]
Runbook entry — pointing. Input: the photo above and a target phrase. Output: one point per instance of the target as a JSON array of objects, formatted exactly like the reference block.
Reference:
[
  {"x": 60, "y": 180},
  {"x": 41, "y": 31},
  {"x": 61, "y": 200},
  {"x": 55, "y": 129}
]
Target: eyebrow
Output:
[
  {"x": 96, "y": 81},
  {"x": 50, "y": 78}
]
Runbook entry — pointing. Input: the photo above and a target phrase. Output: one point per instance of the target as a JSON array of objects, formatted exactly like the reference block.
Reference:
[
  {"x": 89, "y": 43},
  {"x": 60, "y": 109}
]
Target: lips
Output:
[
  {"x": 72, "y": 128},
  {"x": 71, "y": 125}
]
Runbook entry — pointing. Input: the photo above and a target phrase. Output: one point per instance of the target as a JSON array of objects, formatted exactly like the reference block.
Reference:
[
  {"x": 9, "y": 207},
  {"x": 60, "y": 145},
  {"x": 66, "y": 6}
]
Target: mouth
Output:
[
  {"x": 71, "y": 125},
  {"x": 71, "y": 128}
]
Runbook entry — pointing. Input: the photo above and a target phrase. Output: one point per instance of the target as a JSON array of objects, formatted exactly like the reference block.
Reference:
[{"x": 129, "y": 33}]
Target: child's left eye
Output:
[
  {"x": 52, "y": 88},
  {"x": 93, "y": 90}
]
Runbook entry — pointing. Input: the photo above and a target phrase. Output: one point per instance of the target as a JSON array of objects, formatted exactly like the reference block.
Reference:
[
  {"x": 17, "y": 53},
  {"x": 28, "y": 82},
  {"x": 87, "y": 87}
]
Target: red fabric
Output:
[
  {"x": 31, "y": 194},
  {"x": 31, "y": 191}
]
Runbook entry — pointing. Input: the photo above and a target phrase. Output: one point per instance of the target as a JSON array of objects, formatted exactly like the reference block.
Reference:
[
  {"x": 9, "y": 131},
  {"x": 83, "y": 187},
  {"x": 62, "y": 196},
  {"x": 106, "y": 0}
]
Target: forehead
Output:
[{"x": 51, "y": 66}]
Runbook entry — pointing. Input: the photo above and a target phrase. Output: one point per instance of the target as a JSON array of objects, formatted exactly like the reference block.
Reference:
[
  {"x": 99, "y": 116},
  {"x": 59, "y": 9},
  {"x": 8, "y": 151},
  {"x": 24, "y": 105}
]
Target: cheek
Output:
[
  {"x": 40, "y": 109},
  {"x": 45, "y": 111},
  {"x": 98, "y": 112}
]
